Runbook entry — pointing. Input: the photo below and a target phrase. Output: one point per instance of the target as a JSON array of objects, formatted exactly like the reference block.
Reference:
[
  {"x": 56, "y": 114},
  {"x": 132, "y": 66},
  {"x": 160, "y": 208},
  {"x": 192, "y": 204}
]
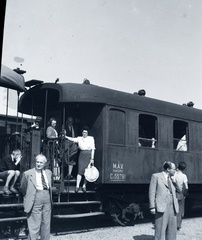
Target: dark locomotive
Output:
[{"x": 133, "y": 134}]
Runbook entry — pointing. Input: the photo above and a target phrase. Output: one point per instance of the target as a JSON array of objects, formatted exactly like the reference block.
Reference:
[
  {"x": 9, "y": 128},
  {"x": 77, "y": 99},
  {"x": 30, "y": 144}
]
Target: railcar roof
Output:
[{"x": 74, "y": 92}]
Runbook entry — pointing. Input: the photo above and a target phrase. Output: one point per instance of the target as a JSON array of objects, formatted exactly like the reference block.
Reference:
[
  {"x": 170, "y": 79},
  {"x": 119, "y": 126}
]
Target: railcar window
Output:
[
  {"x": 147, "y": 131},
  {"x": 117, "y": 121},
  {"x": 180, "y": 135}
]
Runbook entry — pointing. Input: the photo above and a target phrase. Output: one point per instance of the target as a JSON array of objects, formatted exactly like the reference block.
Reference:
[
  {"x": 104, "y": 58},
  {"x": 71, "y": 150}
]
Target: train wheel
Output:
[{"x": 125, "y": 214}]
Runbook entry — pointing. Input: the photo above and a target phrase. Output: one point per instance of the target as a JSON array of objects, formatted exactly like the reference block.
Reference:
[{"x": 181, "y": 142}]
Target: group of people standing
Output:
[
  {"x": 167, "y": 192},
  {"x": 36, "y": 183},
  {"x": 167, "y": 189},
  {"x": 85, "y": 144}
]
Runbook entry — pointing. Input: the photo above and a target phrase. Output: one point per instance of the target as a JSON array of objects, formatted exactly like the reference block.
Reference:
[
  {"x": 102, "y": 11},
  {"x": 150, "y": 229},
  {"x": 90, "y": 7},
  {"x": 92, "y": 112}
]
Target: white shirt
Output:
[
  {"x": 39, "y": 182},
  {"x": 181, "y": 179},
  {"x": 182, "y": 144},
  {"x": 87, "y": 143}
]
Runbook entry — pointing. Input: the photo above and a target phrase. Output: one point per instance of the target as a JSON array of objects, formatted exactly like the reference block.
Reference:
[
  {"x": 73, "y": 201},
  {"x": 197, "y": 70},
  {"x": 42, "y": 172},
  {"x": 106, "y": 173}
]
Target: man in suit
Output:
[
  {"x": 71, "y": 148},
  {"x": 10, "y": 171},
  {"x": 52, "y": 143},
  {"x": 163, "y": 203},
  {"x": 36, "y": 189}
]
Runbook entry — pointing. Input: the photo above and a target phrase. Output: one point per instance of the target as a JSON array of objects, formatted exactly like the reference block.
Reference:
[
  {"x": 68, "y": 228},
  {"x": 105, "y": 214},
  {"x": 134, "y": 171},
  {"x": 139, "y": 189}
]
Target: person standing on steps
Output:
[
  {"x": 86, "y": 146},
  {"x": 71, "y": 148}
]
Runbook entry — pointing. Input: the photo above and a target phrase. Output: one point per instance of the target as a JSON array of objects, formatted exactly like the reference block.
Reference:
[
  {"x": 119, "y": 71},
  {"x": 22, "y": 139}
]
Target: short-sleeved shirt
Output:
[
  {"x": 181, "y": 179},
  {"x": 87, "y": 143}
]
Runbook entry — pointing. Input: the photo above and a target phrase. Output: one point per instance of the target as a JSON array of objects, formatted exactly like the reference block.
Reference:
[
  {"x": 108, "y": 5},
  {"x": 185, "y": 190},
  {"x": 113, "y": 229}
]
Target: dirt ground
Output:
[{"x": 191, "y": 230}]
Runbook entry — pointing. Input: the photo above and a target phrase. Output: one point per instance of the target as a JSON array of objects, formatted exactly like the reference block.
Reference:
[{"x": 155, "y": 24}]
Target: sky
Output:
[{"x": 124, "y": 45}]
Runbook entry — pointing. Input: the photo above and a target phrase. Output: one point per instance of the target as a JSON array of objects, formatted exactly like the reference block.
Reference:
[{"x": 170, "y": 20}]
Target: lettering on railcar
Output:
[{"x": 117, "y": 172}]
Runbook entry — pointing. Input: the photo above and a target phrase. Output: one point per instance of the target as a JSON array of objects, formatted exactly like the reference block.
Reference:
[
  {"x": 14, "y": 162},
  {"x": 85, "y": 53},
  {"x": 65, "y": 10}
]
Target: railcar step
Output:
[
  {"x": 11, "y": 205},
  {"x": 73, "y": 191},
  {"x": 12, "y": 219},
  {"x": 76, "y": 203},
  {"x": 80, "y": 215}
]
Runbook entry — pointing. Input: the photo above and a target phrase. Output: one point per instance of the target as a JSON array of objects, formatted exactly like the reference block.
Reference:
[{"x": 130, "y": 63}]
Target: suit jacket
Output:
[
  {"x": 158, "y": 193},
  {"x": 28, "y": 187},
  {"x": 69, "y": 133}
]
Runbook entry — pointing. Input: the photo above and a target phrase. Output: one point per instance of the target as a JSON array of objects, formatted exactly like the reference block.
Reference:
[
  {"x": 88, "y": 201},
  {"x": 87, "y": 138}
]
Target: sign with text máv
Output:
[{"x": 117, "y": 172}]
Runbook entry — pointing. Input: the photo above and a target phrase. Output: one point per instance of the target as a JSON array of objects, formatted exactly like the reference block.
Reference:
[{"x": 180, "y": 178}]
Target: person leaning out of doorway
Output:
[
  {"x": 71, "y": 148},
  {"x": 86, "y": 146}
]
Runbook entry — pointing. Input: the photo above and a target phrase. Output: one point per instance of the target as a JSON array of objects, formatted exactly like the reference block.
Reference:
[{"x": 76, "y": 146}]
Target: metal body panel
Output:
[
  {"x": 71, "y": 92},
  {"x": 123, "y": 163}
]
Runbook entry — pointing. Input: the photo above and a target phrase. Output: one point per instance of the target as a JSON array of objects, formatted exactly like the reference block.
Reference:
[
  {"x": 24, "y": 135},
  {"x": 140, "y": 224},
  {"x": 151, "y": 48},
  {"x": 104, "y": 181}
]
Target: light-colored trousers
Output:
[
  {"x": 39, "y": 218},
  {"x": 166, "y": 223}
]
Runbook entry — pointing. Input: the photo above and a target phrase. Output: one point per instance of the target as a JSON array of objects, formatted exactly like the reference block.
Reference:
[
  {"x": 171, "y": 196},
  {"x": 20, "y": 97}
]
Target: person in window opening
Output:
[
  {"x": 71, "y": 148},
  {"x": 86, "y": 146},
  {"x": 35, "y": 125},
  {"x": 181, "y": 183},
  {"x": 10, "y": 171},
  {"x": 182, "y": 144}
]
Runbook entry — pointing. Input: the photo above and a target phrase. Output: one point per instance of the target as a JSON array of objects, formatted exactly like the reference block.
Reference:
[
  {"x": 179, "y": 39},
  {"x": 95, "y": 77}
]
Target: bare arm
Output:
[
  {"x": 70, "y": 138},
  {"x": 92, "y": 156}
]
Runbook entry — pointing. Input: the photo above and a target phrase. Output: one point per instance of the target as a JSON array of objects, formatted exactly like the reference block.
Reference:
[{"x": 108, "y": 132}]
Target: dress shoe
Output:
[
  {"x": 13, "y": 190},
  {"x": 84, "y": 189},
  {"x": 76, "y": 190},
  {"x": 7, "y": 191}
]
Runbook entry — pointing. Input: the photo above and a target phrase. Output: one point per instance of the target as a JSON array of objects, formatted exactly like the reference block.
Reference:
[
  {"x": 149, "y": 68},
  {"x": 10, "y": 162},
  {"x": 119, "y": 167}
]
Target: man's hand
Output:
[{"x": 18, "y": 160}]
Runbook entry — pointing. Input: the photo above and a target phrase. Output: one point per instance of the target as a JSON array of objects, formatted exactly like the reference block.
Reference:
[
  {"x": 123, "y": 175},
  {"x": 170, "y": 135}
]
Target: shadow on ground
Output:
[
  {"x": 86, "y": 224},
  {"x": 144, "y": 237}
]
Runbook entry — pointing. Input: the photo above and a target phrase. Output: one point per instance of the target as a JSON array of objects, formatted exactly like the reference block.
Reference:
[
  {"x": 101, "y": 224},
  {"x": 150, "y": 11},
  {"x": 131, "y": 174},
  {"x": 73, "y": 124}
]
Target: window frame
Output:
[{"x": 153, "y": 140}]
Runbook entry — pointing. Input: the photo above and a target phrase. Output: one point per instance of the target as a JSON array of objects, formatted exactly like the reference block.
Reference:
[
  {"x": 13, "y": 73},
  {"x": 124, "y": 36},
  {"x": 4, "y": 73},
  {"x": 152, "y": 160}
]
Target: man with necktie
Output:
[
  {"x": 36, "y": 189},
  {"x": 163, "y": 203},
  {"x": 71, "y": 148}
]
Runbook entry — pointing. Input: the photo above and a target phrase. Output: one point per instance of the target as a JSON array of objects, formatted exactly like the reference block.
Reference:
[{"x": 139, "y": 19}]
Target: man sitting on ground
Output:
[{"x": 10, "y": 171}]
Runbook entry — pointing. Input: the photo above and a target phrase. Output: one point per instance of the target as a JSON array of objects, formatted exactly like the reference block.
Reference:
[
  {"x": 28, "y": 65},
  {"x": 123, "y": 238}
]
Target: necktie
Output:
[
  {"x": 169, "y": 184},
  {"x": 43, "y": 181},
  {"x": 71, "y": 130}
]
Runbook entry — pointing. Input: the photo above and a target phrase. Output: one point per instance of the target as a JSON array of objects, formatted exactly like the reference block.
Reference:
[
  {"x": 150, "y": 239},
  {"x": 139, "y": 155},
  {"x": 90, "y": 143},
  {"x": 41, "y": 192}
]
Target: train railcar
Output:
[{"x": 134, "y": 135}]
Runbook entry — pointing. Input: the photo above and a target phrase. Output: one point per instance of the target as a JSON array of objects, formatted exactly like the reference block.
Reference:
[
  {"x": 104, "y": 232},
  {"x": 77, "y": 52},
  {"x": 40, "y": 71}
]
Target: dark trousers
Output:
[
  {"x": 166, "y": 223},
  {"x": 40, "y": 217},
  {"x": 180, "y": 215}
]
